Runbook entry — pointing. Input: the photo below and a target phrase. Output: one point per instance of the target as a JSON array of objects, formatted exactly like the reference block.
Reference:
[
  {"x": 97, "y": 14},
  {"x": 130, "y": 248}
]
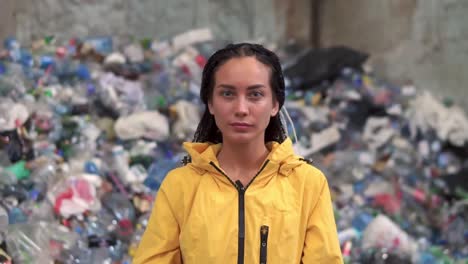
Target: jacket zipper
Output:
[
  {"x": 241, "y": 191},
  {"x": 263, "y": 243},
  {"x": 241, "y": 240}
]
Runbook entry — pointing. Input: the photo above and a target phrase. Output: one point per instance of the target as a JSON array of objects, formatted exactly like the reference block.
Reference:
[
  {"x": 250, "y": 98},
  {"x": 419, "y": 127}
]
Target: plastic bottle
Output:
[
  {"x": 141, "y": 225},
  {"x": 14, "y": 48},
  {"x": 16, "y": 216},
  {"x": 100, "y": 224},
  {"x": 120, "y": 161},
  {"x": 3, "y": 68},
  {"x": 46, "y": 61},
  {"x": 3, "y": 219},
  {"x": 26, "y": 244},
  {"x": 20, "y": 170},
  {"x": 101, "y": 44},
  {"x": 157, "y": 95},
  {"x": 7, "y": 177},
  {"x": 123, "y": 211},
  {"x": 83, "y": 72},
  {"x": 118, "y": 251},
  {"x": 361, "y": 221},
  {"x": 45, "y": 172},
  {"x": 158, "y": 171}
]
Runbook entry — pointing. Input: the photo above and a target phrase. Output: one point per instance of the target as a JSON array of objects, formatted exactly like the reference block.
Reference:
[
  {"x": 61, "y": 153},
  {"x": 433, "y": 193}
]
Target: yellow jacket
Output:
[{"x": 200, "y": 216}]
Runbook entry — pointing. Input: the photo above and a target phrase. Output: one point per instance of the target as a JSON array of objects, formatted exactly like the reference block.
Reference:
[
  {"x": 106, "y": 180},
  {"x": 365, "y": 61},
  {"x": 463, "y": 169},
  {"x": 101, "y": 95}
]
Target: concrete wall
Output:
[
  {"x": 232, "y": 20},
  {"x": 7, "y": 18},
  {"x": 424, "y": 41}
]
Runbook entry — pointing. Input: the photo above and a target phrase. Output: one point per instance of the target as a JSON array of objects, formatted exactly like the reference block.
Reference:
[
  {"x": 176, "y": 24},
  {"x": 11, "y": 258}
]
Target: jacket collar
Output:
[{"x": 281, "y": 159}]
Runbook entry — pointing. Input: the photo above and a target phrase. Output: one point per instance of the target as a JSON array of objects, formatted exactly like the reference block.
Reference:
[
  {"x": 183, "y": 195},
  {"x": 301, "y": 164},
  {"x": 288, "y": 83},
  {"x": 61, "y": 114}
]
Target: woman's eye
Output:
[
  {"x": 256, "y": 94},
  {"x": 226, "y": 93}
]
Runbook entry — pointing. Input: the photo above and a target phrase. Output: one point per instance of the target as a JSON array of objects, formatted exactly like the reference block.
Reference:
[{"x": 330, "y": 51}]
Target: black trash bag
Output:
[
  {"x": 382, "y": 257},
  {"x": 459, "y": 151},
  {"x": 456, "y": 183},
  {"x": 102, "y": 110},
  {"x": 319, "y": 65},
  {"x": 359, "y": 111},
  {"x": 14, "y": 146}
]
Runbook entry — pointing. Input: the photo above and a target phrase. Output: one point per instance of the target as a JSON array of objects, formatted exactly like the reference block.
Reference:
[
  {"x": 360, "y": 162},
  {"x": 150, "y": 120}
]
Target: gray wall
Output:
[
  {"x": 232, "y": 20},
  {"x": 7, "y": 18},
  {"x": 423, "y": 41}
]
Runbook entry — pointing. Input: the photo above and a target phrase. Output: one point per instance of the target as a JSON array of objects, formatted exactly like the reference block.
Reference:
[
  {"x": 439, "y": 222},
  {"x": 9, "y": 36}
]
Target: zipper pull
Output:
[
  {"x": 263, "y": 243},
  {"x": 240, "y": 186}
]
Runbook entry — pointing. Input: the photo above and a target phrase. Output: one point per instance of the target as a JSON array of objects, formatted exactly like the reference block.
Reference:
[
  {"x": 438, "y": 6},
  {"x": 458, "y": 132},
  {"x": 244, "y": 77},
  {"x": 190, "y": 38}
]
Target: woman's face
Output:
[{"x": 242, "y": 101}]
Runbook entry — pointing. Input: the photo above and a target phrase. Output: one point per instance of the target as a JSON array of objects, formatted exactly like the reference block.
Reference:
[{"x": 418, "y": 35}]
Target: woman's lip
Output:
[{"x": 240, "y": 124}]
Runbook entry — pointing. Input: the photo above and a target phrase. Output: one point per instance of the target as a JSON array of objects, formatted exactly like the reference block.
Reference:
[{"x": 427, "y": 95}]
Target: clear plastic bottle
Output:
[
  {"x": 3, "y": 220},
  {"x": 123, "y": 211},
  {"x": 120, "y": 161},
  {"x": 6, "y": 177},
  {"x": 17, "y": 216},
  {"x": 101, "y": 44},
  {"x": 156, "y": 95},
  {"x": 157, "y": 172},
  {"x": 27, "y": 244},
  {"x": 141, "y": 225}
]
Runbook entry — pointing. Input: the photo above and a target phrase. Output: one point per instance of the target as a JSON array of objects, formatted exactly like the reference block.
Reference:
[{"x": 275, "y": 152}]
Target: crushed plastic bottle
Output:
[{"x": 123, "y": 211}]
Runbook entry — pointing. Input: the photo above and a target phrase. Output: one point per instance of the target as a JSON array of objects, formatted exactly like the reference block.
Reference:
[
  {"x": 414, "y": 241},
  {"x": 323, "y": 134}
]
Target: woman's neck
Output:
[{"x": 240, "y": 160}]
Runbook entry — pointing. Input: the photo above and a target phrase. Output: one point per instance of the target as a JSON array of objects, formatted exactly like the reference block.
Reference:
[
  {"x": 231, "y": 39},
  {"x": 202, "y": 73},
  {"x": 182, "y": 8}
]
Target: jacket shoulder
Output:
[
  {"x": 310, "y": 174},
  {"x": 180, "y": 176}
]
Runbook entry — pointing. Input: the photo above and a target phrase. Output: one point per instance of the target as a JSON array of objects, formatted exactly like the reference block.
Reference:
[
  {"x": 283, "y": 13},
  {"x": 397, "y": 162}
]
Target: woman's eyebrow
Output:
[
  {"x": 227, "y": 86},
  {"x": 251, "y": 87},
  {"x": 255, "y": 86}
]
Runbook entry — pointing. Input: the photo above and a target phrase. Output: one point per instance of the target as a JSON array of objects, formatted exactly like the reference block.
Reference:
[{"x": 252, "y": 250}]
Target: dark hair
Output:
[{"x": 207, "y": 131}]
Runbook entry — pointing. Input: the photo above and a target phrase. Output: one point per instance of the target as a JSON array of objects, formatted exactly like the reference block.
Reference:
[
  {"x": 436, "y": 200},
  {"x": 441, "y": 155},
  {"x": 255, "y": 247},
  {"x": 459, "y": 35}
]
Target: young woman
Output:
[{"x": 244, "y": 197}]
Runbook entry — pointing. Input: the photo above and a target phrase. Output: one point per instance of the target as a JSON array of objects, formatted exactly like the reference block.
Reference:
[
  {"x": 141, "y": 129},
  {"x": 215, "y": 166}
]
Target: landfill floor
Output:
[{"x": 88, "y": 131}]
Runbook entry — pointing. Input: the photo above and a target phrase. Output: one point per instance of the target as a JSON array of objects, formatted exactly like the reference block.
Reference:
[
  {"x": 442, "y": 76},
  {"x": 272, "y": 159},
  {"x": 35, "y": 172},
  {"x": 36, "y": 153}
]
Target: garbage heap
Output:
[{"x": 89, "y": 127}]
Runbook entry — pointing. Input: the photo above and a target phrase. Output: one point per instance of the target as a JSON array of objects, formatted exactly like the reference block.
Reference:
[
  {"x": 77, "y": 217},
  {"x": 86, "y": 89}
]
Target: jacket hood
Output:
[{"x": 281, "y": 157}]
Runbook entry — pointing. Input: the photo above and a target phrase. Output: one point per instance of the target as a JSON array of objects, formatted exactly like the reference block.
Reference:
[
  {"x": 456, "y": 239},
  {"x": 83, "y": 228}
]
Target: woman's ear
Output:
[
  {"x": 210, "y": 107},
  {"x": 275, "y": 109}
]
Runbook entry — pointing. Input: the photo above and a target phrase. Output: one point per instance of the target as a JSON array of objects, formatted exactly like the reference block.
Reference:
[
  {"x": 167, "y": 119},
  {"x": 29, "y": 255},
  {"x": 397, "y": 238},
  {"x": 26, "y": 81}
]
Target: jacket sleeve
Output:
[
  {"x": 321, "y": 241},
  {"x": 160, "y": 241}
]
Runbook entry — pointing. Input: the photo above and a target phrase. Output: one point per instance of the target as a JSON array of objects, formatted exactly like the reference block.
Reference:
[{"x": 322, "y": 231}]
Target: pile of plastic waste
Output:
[{"x": 89, "y": 128}]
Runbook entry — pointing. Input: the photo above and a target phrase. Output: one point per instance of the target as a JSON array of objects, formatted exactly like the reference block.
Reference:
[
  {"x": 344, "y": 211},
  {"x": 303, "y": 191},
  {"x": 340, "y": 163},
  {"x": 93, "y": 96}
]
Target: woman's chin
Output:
[{"x": 240, "y": 139}]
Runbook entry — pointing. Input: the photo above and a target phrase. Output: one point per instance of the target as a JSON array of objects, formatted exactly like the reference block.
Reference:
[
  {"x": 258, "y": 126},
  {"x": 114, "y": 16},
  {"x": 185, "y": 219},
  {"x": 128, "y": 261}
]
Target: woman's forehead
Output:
[{"x": 245, "y": 70}]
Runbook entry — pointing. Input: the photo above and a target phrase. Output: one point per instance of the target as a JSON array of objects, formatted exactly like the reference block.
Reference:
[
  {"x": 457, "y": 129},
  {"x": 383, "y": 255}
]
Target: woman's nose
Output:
[{"x": 241, "y": 107}]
